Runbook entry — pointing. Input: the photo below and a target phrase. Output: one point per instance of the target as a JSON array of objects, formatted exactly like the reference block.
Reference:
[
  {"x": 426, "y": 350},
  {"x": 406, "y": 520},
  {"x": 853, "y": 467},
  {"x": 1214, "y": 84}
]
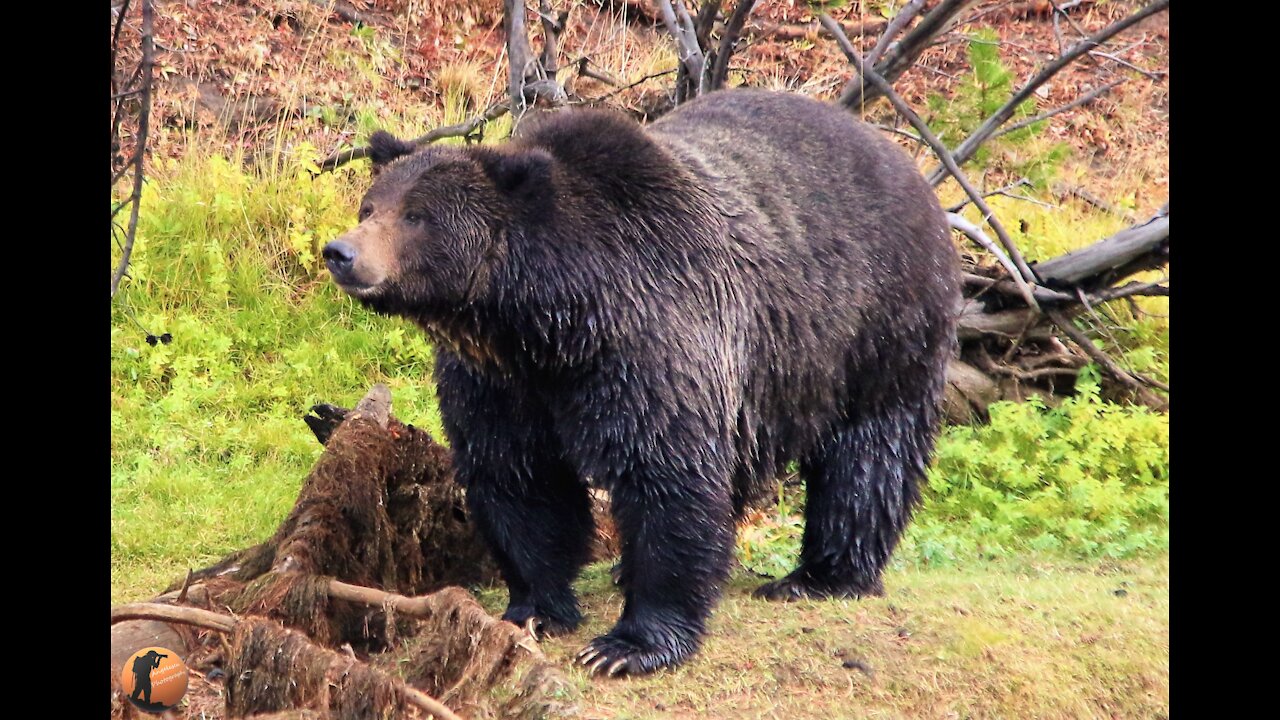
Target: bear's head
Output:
[{"x": 435, "y": 224}]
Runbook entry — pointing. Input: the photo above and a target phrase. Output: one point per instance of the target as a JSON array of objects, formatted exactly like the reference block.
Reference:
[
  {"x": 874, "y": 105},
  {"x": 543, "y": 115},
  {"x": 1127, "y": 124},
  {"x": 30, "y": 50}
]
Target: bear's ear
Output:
[
  {"x": 385, "y": 147},
  {"x": 524, "y": 173}
]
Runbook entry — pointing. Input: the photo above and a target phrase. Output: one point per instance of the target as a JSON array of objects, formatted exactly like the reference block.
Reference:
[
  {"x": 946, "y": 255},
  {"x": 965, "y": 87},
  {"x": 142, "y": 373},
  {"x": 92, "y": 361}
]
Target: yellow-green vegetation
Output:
[
  {"x": 1016, "y": 638},
  {"x": 208, "y": 449}
]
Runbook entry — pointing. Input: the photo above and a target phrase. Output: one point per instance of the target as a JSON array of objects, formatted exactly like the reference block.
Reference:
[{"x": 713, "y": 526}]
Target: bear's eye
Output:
[
  {"x": 414, "y": 218},
  {"x": 365, "y": 212}
]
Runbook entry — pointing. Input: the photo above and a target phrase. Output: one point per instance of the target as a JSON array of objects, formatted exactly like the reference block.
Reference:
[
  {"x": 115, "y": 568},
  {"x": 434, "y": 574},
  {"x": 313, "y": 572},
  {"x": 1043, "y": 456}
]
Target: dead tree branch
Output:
[
  {"x": 1134, "y": 249},
  {"x": 226, "y": 623},
  {"x": 463, "y": 129},
  {"x": 899, "y": 23},
  {"x": 898, "y": 60},
  {"x": 974, "y": 233},
  {"x": 1085, "y": 99},
  {"x": 140, "y": 138},
  {"x": 729, "y": 41},
  {"x": 552, "y": 27},
  {"x": 520, "y": 58},
  {"x": 1083, "y": 341},
  {"x": 692, "y": 62},
  {"x": 969, "y": 147}
]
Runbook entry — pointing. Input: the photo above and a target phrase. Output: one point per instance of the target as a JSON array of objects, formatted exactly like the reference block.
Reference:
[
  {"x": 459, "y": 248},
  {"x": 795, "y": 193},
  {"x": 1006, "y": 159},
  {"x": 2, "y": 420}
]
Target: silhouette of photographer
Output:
[{"x": 142, "y": 667}]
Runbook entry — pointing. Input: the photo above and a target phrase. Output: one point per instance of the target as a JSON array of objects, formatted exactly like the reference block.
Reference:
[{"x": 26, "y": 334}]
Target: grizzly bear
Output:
[{"x": 672, "y": 313}]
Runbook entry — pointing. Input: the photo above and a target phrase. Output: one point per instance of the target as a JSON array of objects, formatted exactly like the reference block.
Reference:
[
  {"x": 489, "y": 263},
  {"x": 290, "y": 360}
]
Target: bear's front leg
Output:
[
  {"x": 529, "y": 504},
  {"x": 677, "y": 534}
]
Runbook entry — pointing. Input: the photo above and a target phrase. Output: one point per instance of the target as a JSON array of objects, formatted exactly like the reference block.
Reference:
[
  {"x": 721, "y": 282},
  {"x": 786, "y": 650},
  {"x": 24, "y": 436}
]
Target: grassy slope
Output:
[{"x": 1013, "y": 639}]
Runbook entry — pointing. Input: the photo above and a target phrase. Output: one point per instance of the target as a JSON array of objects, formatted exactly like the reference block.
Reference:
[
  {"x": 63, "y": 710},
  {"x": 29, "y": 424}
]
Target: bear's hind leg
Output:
[{"x": 861, "y": 489}]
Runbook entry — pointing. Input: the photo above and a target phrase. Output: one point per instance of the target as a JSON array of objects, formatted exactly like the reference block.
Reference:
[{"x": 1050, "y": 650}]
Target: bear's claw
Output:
[
  {"x": 610, "y": 656},
  {"x": 538, "y": 624}
]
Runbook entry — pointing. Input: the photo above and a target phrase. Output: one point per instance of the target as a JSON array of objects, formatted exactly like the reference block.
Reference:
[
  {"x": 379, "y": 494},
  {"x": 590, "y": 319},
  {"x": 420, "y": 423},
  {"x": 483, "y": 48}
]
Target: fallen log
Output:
[{"x": 1009, "y": 351}]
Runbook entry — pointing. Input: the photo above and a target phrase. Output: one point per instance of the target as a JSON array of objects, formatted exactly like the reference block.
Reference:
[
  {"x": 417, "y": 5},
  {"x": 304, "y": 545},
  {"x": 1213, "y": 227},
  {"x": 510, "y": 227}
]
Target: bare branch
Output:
[
  {"x": 728, "y": 42},
  {"x": 464, "y": 129},
  {"x": 551, "y": 29},
  {"x": 1024, "y": 274},
  {"x": 144, "y": 125},
  {"x": 1003, "y": 191},
  {"x": 857, "y": 93},
  {"x": 974, "y": 233},
  {"x": 1127, "y": 378},
  {"x": 1130, "y": 250},
  {"x": 604, "y": 77},
  {"x": 1153, "y": 75},
  {"x": 896, "y": 25},
  {"x": 624, "y": 88},
  {"x": 899, "y": 131},
  {"x": 680, "y": 25},
  {"x": 522, "y": 66},
  {"x": 1085, "y": 99},
  {"x": 966, "y": 149},
  {"x": 227, "y": 623}
]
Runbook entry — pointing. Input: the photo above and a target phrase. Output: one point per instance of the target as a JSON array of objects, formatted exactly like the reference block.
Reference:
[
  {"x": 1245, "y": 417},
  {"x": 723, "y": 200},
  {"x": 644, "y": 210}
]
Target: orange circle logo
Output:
[{"x": 154, "y": 679}]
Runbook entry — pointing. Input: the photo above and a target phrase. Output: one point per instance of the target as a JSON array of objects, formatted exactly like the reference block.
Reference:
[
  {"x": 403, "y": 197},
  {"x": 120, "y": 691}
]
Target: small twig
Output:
[
  {"x": 1132, "y": 289},
  {"x": 624, "y": 88},
  {"x": 186, "y": 585},
  {"x": 1004, "y": 191},
  {"x": 1086, "y": 344},
  {"x": 899, "y": 22},
  {"x": 463, "y": 129},
  {"x": 899, "y": 131},
  {"x": 604, "y": 77},
  {"x": 974, "y": 233},
  {"x": 1154, "y": 75},
  {"x": 1060, "y": 11},
  {"x": 1085, "y": 99},
  {"x": 115, "y": 33}
]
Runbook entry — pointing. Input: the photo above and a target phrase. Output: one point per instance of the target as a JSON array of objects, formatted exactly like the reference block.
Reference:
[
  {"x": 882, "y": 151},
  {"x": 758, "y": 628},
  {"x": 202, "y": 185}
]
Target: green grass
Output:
[
  {"x": 1032, "y": 637},
  {"x": 208, "y": 447}
]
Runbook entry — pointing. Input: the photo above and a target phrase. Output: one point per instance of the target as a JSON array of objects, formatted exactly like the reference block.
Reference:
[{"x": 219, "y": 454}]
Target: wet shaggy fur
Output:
[{"x": 674, "y": 313}]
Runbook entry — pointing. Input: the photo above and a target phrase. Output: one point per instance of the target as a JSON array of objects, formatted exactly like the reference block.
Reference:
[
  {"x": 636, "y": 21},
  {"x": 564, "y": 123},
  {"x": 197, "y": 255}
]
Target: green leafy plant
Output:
[{"x": 1088, "y": 478}]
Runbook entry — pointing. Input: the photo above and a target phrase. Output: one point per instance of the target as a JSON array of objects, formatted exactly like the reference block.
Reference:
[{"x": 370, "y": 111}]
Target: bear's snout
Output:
[{"x": 340, "y": 258}]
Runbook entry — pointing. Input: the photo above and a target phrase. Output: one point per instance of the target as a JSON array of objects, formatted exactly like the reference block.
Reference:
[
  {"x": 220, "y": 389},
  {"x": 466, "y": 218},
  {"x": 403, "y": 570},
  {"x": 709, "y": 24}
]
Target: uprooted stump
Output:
[
  {"x": 379, "y": 509},
  {"x": 367, "y": 561}
]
